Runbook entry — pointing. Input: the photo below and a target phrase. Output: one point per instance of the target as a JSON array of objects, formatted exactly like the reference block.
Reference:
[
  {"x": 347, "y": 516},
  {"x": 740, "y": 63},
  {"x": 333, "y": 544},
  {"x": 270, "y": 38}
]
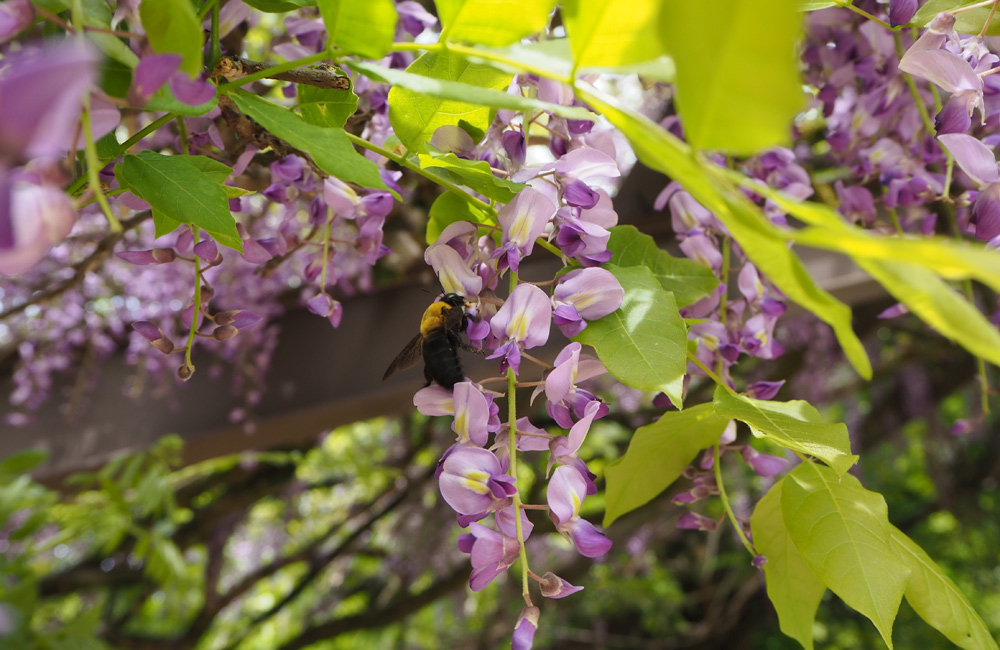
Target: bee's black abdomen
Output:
[{"x": 441, "y": 364}]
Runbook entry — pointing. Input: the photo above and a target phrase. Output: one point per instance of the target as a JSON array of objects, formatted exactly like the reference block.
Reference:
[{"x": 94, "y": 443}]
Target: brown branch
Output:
[{"x": 322, "y": 76}]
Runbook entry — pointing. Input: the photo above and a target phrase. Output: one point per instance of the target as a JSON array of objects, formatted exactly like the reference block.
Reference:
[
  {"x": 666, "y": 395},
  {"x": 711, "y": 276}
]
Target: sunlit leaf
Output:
[
  {"x": 687, "y": 280},
  {"x": 614, "y": 33},
  {"x": 738, "y": 82},
  {"x": 416, "y": 115},
  {"x": 792, "y": 587},
  {"x": 938, "y": 600},
  {"x": 492, "y": 22},
  {"x": 656, "y": 456},
  {"x": 326, "y": 106},
  {"x": 795, "y": 425},
  {"x": 758, "y": 238},
  {"x": 173, "y": 26},
  {"x": 450, "y": 208},
  {"x": 842, "y": 530},
  {"x": 366, "y": 28}
]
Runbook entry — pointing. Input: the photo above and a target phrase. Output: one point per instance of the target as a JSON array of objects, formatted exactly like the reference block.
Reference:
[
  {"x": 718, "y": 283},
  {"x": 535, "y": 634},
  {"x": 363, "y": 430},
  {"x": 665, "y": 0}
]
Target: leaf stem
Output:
[
  {"x": 486, "y": 55},
  {"x": 716, "y": 465}
]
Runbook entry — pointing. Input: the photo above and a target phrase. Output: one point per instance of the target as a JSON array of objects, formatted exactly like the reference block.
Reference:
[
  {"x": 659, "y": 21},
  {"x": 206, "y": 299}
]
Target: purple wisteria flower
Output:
[
  {"x": 565, "y": 494},
  {"x": 584, "y": 295},
  {"x": 15, "y": 16},
  {"x": 472, "y": 414},
  {"x": 154, "y": 335},
  {"x": 763, "y": 464},
  {"x": 523, "y": 220},
  {"x": 522, "y": 322},
  {"x": 491, "y": 553},
  {"x": 564, "y": 399},
  {"x": 473, "y": 481},
  {"x": 694, "y": 521},
  {"x": 39, "y": 217},
  {"x": 452, "y": 271},
  {"x": 552, "y": 586},
  {"x": 563, "y": 448},
  {"x": 524, "y": 631},
  {"x": 157, "y": 69}
]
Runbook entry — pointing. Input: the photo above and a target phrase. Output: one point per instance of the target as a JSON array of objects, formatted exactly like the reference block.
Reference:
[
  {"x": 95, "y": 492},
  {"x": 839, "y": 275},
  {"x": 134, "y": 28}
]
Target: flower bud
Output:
[
  {"x": 185, "y": 372},
  {"x": 224, "y": 332}
]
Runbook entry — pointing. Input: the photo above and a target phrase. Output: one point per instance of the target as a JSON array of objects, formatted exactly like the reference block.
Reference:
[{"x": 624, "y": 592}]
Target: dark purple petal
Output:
[
  {"x": 514, "y": 144},
  {"x": 901, "y": 11},
  {"x": 764, "y": 389},
  {"x": 694, "y": 521},
  {"x": 953, "y": 118},
  {"x": 208, "y": 251},
  {"x": 578, "y": 194},
  {"x": 763, "y": 464},
  {"x": 986, "y": 212}
]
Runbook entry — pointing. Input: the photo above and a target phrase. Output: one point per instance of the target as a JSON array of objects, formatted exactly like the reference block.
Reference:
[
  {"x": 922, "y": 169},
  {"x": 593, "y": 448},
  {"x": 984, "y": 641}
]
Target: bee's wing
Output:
[{"x": 406, "y": 358}]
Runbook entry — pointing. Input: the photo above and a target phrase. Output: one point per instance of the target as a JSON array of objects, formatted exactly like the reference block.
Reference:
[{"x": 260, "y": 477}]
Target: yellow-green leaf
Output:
[
  {"x": 366, "y": 28},
  {"x": 618, "y": 33},
  {"x": 492, "y": 22}
]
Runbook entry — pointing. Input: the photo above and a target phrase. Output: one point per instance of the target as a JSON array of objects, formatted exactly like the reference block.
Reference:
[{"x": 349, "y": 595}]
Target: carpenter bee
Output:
[{"x": 438, "y": 342}]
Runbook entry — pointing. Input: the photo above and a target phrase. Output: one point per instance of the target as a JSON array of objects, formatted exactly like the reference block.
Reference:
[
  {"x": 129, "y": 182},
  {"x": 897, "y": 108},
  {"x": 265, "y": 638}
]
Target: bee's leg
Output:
[{"x": 427, "y": 376}]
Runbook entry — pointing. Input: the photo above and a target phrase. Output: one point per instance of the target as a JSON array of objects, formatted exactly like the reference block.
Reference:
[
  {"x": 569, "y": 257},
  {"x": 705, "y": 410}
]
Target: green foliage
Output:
[
  {"x": 474, "y": 174},
  {"x": 329, "y": 147},
  {"x": 758, "y": 238},
  {"x": 613, "y": 34},
  {"x": 492, "y": 22},
  {"x": 181, "y": 191},
  {"x": 656, "y": 456},
  {"x": 795, "y": 425},
  {"x": 279, "y": 6},
  {"x": 724, "y": 60},
  {"x": 450, "y": 208},
  {"x": 969, "y": 21},
  {"x": 173, "y": 27},
  {"x": 462, "y": 91},
  {"x": 365, "y": 28},
  {"x": 687, "y": 280},
  {"x": 644, "y": 343},
  {"x": 842, "y": 532},
  {"x": 415, "y": 116},
  {"x": 327, "y": 107}
]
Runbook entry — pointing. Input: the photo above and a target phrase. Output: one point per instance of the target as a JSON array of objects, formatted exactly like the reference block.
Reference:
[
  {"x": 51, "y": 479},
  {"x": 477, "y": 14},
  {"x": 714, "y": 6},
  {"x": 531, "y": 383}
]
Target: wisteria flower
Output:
[
  {"x": 524, "y": 631},
  {"x": 453, "y": 272},
  {"x": 39, "y": 217},
  {"x": 523, "y": 322},
  {"x": 552, "y": 586},
  {"x": 565, "y": 494},
  {"x": 472, "y": 414},
  {"x": 157, "y": 69},
  {"x": 491, "y": 553},
  {"x": 584, "y": 295},
  {"x": 564, "y": 448},
  {"x": 564, "y": 399},
  {"x": 472, "y": 481},
  {"x": 523, "y": 220}
]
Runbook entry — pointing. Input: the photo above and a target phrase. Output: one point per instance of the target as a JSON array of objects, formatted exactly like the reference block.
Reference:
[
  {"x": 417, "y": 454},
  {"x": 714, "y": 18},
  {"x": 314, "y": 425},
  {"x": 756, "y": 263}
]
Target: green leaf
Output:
[
  {"x": 794, "y": 425},
  {"x": 656, "y": 456},
  {"x": 329, "y": 148},
  {"x": 842, "y": 530},
  {"x": 173, "y": 26},
  {"x": 969, "y": 21},
  {"x": 939, "y": 305},
  {"x": 462, "y": 92},
  {"x": 605, "y": 33},
  {"x": 181, "y": 192},
  {"x": 22, "y": 462},
  {"x": 327, "y": 106},
  {"x": 949, "y": 258},
  {"x": 279, "y": 6},
  {"x": 450, "y": 208},
  {"x": 792, "y": 586},
  {"x": 366, "y": 28},
  {"x": 687, "y": 280},
  {"x": 98, "y": 14},
  {"x": 492, "y": 22},
  {"x": 814, "y": 5},
  {"x": 759, "y": 239},
  {"x": 644, "y": 343},
  {"x": 416, "y": 115},
  {"x": 474, "y": 174},
  {"x": 724, "y": 60},
  {"x": 938, "y": 600}
]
